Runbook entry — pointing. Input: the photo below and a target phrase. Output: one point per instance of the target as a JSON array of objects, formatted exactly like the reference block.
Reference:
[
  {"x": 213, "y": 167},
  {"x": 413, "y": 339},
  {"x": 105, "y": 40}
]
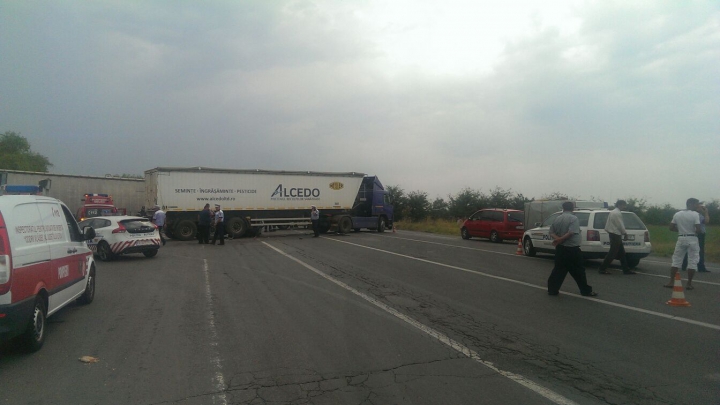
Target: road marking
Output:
[
  {"x": 525, "y": 257},
  {"x": 644, "y": 311},
  {"x": 219, "y": 380},
  {"x": 550, "y": 395}
]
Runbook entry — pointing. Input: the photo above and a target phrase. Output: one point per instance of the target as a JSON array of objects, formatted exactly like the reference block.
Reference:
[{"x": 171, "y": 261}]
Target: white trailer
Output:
[{"x": 251, "y": 199}]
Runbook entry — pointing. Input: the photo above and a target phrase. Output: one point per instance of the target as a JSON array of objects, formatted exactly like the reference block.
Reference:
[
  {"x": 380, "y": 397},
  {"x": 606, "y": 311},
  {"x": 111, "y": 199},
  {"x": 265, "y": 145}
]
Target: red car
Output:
[{"x": 495, "y": 224}]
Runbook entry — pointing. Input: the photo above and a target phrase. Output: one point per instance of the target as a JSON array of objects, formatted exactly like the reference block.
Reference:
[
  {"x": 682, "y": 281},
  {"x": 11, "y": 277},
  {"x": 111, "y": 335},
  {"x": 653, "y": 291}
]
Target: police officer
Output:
[
  {"x": 219, "y": 226},
  {"x": 315, "y": 219},
  {"x": 204, "y": 221}
]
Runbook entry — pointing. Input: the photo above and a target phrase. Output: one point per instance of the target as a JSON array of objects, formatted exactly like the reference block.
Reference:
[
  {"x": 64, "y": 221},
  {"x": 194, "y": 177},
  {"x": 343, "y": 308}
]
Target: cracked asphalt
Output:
[{"x": 244, "y": 324}]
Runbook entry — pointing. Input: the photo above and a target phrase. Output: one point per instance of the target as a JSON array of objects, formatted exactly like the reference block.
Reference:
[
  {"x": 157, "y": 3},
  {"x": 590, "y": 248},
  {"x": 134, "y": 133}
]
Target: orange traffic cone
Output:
[
  {"x": 519, "y": 250},
  {"x": 678, "y": 296}
]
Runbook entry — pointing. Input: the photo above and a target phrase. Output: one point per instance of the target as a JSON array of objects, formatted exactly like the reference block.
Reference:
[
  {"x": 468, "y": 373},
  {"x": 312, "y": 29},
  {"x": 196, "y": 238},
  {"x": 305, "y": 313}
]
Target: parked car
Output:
[
  {"x": 44, "y": 265},
  {"x": 595, "y": 242},
  {"x": 119, "y": 235},
  {"x": 495, "y": 224}
]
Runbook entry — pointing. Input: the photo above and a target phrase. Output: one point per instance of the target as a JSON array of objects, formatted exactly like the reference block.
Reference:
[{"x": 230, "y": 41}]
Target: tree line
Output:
[{"x": 416, "y": 206}]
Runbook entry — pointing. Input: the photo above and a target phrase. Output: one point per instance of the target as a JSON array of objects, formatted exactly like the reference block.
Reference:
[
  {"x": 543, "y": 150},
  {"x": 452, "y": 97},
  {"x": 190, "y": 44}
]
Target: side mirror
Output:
[
  {"x": 88, "y": 233},
  {"x": 537, "y": 224}
]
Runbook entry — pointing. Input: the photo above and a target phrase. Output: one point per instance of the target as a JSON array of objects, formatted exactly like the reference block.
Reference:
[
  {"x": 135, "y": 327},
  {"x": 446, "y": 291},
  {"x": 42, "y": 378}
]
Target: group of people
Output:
[
  {"x": 565, "y": 233},
  {"x": 206, "y": 218}
]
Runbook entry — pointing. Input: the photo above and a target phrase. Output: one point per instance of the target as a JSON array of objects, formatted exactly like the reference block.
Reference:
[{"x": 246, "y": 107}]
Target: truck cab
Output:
[
  {"x": 96, "y": 205},
  {"x": 372, "y": 208}
]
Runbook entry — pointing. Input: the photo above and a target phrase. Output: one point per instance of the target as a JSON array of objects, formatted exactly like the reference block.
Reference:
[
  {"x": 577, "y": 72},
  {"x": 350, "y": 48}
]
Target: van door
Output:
[
  {"x": 30, "y": 253},
  {"x": 68, "y": 253}
]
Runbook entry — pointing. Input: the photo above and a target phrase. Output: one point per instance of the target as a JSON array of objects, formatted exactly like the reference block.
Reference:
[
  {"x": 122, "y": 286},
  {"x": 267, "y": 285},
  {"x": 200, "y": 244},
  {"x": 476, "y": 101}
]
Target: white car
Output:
[
  {"x": 118, "y": 235},
  {"x": 595, "y": 242}
]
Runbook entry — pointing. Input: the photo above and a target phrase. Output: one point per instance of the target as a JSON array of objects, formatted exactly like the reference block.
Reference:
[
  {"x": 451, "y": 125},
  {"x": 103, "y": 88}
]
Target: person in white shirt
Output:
[
  {"x": 315, "y": 219},
  {"x": 687, "y": 224},
  {"x": 219, "y": 226},
  {"x": 159, "y": 220},
  {"x": 615, "y": 228}
]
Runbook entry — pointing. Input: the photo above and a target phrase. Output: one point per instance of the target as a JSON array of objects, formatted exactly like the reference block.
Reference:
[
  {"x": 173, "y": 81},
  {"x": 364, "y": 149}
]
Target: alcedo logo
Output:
[{"x": 295, "y": 192}]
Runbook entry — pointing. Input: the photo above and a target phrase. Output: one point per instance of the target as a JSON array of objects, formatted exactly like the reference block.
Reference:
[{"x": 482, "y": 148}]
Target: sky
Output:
[{"x": 593, "y": 99}]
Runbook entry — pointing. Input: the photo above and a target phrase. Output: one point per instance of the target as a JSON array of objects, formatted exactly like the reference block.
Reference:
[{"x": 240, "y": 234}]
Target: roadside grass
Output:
[{"x": 662, "y": 239}]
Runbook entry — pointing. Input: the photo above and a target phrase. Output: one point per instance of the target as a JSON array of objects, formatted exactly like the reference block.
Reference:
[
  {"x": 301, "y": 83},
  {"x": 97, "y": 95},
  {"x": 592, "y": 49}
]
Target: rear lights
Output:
[
  {"x": 593, "y": 236},
  {"x": 5, "y": 262},
  {"x": 647, "y": 237},
  {"x": 120, "y": 228}
]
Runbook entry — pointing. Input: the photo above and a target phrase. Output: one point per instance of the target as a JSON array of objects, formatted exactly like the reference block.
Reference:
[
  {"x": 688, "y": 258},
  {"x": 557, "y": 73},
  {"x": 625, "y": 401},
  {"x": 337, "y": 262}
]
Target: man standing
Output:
[
  {"x": 687, "y": 224},
  {"x": 315, "y": 219},
  {"x": 565, "y": 232},
  {"x": 219, "y": 226},
  {"x": 159, "y": 220},
  {"x": 204, "y": 225},
  {"x": 704, "y": 219},
  {"x": 615, "y": 227}
]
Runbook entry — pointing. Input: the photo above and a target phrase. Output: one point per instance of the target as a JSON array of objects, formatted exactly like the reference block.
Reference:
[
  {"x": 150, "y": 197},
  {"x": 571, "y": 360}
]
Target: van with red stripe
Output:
[{"x": 45, "y": 264}]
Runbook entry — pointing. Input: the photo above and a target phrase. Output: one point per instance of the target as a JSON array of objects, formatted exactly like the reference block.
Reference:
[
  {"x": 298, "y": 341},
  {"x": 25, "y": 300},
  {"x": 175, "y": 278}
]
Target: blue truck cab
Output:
[{"x": 372, "y": 208}]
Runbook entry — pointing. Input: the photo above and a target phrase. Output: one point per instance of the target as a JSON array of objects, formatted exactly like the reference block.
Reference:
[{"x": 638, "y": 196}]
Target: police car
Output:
[
  {"x": 118, "y": 235},
  {"x": 595, "y": 241}
]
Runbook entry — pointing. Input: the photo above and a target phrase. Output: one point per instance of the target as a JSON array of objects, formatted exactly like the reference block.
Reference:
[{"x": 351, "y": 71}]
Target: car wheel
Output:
[
  {"x": 104, "y": 252},
  {"x": 89, "y": 293},
  {"x": 465, "y": 234},
  {"x": 34, "y": 335},
  {"x": 528, "y": 248},
  {"x": 495, "y": 237},
  {"x": 633, "y": 261},
  {"x": 150, "y": 253}
]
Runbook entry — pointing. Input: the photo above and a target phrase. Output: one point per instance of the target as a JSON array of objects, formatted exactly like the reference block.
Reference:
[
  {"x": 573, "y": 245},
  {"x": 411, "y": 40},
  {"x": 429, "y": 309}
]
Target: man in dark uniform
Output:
[
  {"x": 204, "y": 225},
  {"x": 565, "y": 232}
]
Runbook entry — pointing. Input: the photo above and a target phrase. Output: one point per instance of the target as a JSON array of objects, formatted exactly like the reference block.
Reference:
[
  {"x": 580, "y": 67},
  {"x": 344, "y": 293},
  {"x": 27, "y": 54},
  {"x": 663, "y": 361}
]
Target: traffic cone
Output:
[
  {"x": 678, "y": 296},
  {"x": 519, "y": 250}
]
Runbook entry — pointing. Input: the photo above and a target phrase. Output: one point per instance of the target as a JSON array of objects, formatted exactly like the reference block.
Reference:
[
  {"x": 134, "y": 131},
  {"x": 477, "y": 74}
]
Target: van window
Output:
[
  {"x": 75, "y": 234},
  {"x": 516, "y": 216},
  {"x": 582, "y": 217},
  {"x": 486, "y": 216},
  {"x": 496, "y": 216},
  {"x": 633, "y": 222},
  {"x": 600, "y": 220}
]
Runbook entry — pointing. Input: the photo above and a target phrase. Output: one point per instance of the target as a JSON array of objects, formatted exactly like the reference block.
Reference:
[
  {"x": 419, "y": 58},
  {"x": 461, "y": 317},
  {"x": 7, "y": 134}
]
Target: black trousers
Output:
[
  {"x": 568, "y": 260},
  {"x": 203, "y": 233},
  {"x": 316, "y": 227},
  {"x": 219, "y": 233},
  {"x": 617, "y": 251}
]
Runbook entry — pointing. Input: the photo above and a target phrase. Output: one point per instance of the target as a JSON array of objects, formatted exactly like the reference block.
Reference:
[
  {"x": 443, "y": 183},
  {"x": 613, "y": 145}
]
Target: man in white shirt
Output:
[
  {"x": 687, "y": 224},
  {"x": 219, "y": 226},
  {"x": 159, "y": 220},
  {"x": 615, "y": 227}
]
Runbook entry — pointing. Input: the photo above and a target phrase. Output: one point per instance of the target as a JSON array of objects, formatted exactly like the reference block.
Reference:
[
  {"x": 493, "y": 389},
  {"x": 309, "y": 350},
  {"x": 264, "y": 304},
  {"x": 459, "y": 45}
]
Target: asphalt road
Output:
[{"x": 367, "y": 318}]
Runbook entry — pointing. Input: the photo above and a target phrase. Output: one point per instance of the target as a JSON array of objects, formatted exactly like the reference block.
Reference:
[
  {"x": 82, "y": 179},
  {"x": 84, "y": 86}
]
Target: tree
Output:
[
  {"x": 464, "y": 203},
  {"x": 418, "y": 205},
  {"x": 399, "y": 201},
  {"x": 439, "y": 209},
  {"x": 15, "y": 154}
]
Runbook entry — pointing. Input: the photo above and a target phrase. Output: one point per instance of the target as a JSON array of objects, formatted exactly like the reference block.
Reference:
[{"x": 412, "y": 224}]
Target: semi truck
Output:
[{"x": 253, "y": 199}]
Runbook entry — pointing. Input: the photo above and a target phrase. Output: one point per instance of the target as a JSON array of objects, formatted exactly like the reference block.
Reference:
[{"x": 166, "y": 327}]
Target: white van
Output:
[{"x": 45, "y": 264}]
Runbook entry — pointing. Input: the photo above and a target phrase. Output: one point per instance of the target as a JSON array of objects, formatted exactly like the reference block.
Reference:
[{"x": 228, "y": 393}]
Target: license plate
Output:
[{"x": 143, "y": 243}]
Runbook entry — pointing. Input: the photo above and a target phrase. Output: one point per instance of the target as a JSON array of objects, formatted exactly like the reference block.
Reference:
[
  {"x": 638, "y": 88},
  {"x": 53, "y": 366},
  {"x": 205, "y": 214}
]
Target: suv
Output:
[
  {"x": 594, "y": 240},
  {"x": 494, "y": 223}
]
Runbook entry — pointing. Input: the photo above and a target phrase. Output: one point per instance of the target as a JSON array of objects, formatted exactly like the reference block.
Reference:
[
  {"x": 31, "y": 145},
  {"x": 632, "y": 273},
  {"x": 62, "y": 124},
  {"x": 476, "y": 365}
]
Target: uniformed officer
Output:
[{"x": 219, "y": 226}]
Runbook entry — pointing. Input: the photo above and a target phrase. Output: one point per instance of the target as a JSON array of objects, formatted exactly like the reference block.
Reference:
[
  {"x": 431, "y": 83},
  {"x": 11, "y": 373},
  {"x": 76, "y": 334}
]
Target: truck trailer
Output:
[{"x": 253, "y": 199}]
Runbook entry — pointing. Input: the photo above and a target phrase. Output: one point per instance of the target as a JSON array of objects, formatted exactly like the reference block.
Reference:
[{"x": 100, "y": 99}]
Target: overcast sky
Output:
[{"x": 605, "y": 99}]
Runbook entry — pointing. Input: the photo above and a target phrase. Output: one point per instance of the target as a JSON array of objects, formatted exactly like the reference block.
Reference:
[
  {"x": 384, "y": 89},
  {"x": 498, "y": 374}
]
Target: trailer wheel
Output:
[
  {"x": 185, "y": 230},
  {"x": 236, "y": 227},
  {"x": 381, "y": 224},
  {"x": 344, "y": 225}
]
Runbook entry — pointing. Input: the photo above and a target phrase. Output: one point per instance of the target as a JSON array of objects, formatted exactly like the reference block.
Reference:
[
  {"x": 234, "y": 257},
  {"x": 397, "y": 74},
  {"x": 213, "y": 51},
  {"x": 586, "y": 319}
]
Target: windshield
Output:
[{"x": 514, "y": 216}]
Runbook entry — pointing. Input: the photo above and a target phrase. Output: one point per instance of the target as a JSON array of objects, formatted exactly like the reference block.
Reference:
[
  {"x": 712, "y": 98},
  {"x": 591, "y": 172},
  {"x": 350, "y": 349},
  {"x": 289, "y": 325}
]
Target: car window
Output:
[
  {"x": 101, "y": 223},
  {"x": 516, "y": 216},
  {"x": 600, "y": 220},
  {"x": 633, "y": 222},
  {"x": 84, "y": 223},
  {"x": 497, "y": 216},
  {"x": 475, "y": 215},
  {"x": 136, "y": 224},
  {"x": 582, "y": 218},
  {"x": 551, "y": 219},
  {"x": 75, "y": 234}
]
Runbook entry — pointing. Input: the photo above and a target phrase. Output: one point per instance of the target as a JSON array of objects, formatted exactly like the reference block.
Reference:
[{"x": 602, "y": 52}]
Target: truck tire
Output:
[
  {"x": 344, "y": 225},
  {"x": 236, "y": 227},
  {"x": 381, "y": 225},
  {"x": 185, "y": 230}
]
